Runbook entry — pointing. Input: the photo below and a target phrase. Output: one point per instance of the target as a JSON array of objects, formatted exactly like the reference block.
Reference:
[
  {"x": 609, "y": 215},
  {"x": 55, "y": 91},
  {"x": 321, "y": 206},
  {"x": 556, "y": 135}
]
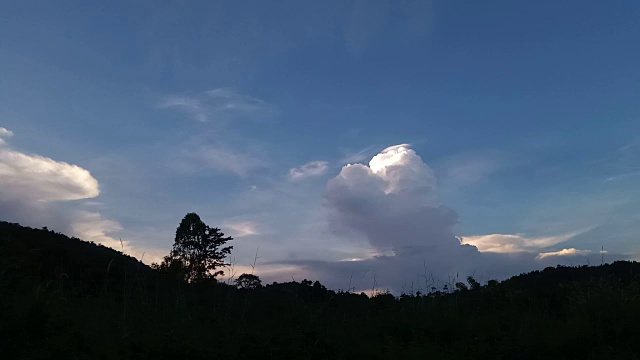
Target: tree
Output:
[
  {"x": 198, "y": 251},
  {"x": 473, "y": 283},
  {"x": 248, "y": 281},
  {"x": 460, "y": 286}
]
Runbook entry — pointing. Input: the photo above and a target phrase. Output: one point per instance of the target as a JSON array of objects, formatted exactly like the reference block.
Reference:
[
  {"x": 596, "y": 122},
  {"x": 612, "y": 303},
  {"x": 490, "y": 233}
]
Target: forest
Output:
[{"x": 64, "y": 298}]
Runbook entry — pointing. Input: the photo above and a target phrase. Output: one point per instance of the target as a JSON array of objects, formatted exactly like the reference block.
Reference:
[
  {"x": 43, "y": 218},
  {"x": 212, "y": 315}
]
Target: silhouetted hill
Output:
[
  {"x": 44, "y": 255},
  {"x": 63, "y": 298}
]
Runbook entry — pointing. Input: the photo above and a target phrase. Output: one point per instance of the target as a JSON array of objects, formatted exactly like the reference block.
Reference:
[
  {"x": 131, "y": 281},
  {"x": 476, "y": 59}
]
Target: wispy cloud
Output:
[
  {"x": 240, "y": 229},
  {"x": 513, "y": 243},
  {"x": 226, "y": 160},
  {"x": 91, "y": 226},
  {"x": 564, "y": 252},
  {"x": 467, "y": 169},
  {"x": 219, "y": 105},
  {"x": 622, "y": 176},
  {"x": 621, "y": 163},
  {"x": 369, "y": 18},
  {"x": 191, "y": 105},
  {"x": 354, "y": 157},
  {"x": 311, "y": 169}
]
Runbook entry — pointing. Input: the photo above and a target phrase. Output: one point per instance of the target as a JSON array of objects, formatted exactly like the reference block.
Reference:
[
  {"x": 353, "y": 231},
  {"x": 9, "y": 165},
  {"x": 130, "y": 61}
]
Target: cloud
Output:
[
  {"x": 392, "y": 203},
  {"x": 90, "y": 226},
  {"x": 239, "y": 229},
  {"x": 38, "y": 191},
  {"x": 35, "y": 213},
  {"x": 313, "y": 168},
  {"x": 624, "y": 176},
  {"x": 33, "y": 188},
  {"x": 40, "y": 178},
  {"x": 4, "y": 134},
  {"x": 621, "y": 164},
  {"x": 564, "y": 252},
  {"x": 511, "y": 243},
  {"x": 468, "y": 169},
  {"x": 219, "y": 105},
  {"x": 223, "y": 159},
  {"x": 351, "y": 157}
]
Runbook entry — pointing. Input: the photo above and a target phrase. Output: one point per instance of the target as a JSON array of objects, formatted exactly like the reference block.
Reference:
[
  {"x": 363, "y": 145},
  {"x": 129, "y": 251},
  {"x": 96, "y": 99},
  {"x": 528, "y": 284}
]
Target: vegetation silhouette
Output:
[
  {"x": 197, "y": 253},
  {"x": 248, "y": 282},
  {"x": 63, "y": 298}
]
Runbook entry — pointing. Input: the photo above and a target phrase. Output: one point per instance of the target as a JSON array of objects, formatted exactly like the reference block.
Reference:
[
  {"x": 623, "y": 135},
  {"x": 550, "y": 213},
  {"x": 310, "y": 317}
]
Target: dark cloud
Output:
[{"x": 35, "y": 214}]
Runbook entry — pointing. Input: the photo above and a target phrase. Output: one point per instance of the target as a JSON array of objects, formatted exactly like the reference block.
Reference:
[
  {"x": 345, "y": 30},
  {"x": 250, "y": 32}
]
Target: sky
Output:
[{"x": 362, "y": 143}]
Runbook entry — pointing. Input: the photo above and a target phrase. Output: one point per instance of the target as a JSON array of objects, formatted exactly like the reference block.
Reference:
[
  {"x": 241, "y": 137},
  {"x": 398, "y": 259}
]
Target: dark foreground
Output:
[{"x": 62, "y": 298}]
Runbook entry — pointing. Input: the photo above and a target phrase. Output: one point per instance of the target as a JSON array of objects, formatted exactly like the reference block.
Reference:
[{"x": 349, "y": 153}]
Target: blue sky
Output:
[{"x": 526, "y": 113}]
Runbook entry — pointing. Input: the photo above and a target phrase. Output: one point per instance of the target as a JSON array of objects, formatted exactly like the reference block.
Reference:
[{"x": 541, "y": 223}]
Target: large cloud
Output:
[
  {"x": 32, "y": 187},
  {"x": 393, "y": 203},
  {"x": 42, "y": 179}
]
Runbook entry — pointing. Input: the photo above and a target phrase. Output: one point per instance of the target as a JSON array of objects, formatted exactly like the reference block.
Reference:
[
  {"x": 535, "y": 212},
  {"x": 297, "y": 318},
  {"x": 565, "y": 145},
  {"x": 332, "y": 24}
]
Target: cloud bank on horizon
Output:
[{"x": 393, "y": 202}]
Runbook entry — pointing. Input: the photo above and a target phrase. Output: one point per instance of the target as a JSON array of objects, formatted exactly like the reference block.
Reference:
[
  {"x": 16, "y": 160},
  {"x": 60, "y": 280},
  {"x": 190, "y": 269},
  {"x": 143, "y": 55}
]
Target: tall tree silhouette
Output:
[{"x": 198, "y": 251}]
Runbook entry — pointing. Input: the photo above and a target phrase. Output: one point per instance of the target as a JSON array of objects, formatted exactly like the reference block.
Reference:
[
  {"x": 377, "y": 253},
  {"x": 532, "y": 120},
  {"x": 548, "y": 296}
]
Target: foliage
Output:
[
  {"x": 198, "y": 251},
  {"x": 64, "y": 298},
  {"x": 248, "y": 281}
]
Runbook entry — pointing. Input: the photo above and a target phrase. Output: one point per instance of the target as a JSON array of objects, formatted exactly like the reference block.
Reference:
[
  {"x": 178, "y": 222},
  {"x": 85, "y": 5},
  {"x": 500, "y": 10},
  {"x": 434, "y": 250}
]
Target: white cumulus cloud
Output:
[
  {"x": 393, "y": 203},
  {"x": 34, "y": 188},
  {"x": 31, "y": 186},
  {"x": 40, "y": 178}
]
